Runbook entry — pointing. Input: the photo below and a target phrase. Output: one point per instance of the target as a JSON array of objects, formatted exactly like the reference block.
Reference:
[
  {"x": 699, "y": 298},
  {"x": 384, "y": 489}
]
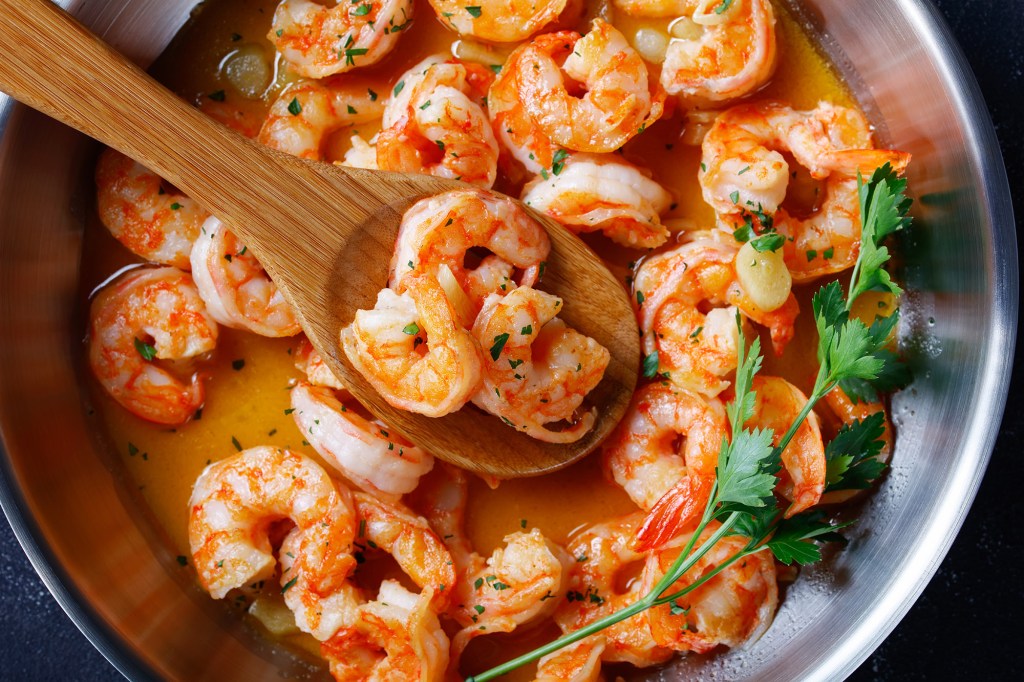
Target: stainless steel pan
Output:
[{"x": 97, "y": 551}]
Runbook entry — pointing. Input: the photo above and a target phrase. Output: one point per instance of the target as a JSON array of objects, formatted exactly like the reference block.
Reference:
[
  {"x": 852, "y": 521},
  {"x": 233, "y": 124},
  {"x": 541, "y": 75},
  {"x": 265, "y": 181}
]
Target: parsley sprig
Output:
[{"x": 853, "y": 356}]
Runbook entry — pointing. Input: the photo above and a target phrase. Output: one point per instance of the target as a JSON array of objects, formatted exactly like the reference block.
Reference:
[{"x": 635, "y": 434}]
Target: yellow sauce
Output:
[{"x": 249, "y": 376}]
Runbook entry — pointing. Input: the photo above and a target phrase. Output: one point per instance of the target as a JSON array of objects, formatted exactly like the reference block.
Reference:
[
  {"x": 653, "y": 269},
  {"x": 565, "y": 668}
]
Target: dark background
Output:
[{"x": 970, "y": 619}]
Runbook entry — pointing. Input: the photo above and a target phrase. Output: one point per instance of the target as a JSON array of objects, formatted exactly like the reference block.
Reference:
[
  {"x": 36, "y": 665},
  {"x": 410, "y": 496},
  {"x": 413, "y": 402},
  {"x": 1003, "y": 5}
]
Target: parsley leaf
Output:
[
  {"x": 852, "y": 457},
  {"x": 796, "y": 538}
]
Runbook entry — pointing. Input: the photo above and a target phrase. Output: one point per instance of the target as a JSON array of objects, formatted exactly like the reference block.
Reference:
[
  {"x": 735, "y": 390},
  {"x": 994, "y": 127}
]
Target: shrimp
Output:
[
  {"x": 539, "y": 370},
  {"x": 318, "y": 40},
  {"x": 498, "y": 21},
  {"x": 236, "y": 289},
  {"x": 309, "y": 361},
  {"x": 579, "y": 662},
  {"x": 384, "y": 346},
  {"x": 518, "y": 584},
  {"x": 619, "y": 101},
  {"x": 604, "y": 560},
  {"x": 776, "y": 406},
  {"x": 593, "y": 192},
  {"x": 734, "y": 607},
  {"x": 744, "y": 177},
  {"x": 368, "y": 454},
  {"x": 847, "y": 411},
  {"x": 394, "y": 529},
  {"x": 307, "y": 112},
  {"x": 696, "y": 346},
  {"x": 395, "y": 637},
  {"x": 146, "y": 314},
  {"x": 440, "y": 231},
  {"x": 233, "y": 505},
  {"x": 718, "y": 51},
  {"x": 643, "y": 456},
  {"x": 519, "y": 137},
  {"x": 143, "y": 212},
  {"x": 435, "y": 124}
]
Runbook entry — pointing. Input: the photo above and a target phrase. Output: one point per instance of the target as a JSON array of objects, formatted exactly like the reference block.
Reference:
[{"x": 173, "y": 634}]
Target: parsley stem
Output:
[
  {"x": 745, "y": 552},
  {"x": 563, "y": 641}
]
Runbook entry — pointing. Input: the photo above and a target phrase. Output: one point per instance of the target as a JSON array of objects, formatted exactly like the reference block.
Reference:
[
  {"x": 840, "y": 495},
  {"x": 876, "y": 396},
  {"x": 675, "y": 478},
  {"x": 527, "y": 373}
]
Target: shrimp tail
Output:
[{"x": 675, "y": 512}]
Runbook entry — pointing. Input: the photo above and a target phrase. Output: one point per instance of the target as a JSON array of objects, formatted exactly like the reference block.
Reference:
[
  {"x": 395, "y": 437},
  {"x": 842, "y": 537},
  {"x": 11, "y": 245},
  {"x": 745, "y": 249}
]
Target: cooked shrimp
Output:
[
  {"x": 234, "y": 503},
  {"x": 732, "y": 608},
  {"x": 604, "y": 561},
  {"x": 744, "y": 175},
  {"x": 645, "y": 456},
  {"x": 307, "y": 112},
  {"x": 539, "y": 370},
  {"x": 384, "y": 345},
  {"x": 318, "y": 40},
  {"x": 440, "y": 231},
  {"x": 518, "y": 135},
  {"x": 370, "y": 455},
  {"x": 619, "y": 101},
  {"x": 146, "y": 314},
  {"x": 321, "y": 613},
  {"x": 395, "y": 637},
  {"x": 776, "y": 406},
  {"x": 847, "y": 411},
  {"x": 593, "y": 192},
  {"x": 686, "y": 306},
  {"x": 435, "y": 124},
  {"x": 309, "y": 361},
  {"x": 718, "y": 51},
  {"x": 518, "y": 584},
  {"x": 236, "y": 289},
  {"x": 498, "y": 21},
  {"x": 151, "y": 218},
  {"x": 394, "y": 529},
  {"x": 579, "y": 662}
]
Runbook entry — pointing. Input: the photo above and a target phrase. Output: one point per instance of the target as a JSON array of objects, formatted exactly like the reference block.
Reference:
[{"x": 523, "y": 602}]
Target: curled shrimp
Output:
[
  {"x": 847, "y": 412},
  {"x": 744, "y": 177},
  {"x": 147, "y": 314},
  {"x": 619, "y": 102},
  {"x": 395, "y": 529},
  {"x": 645, "y": 456},
  {"x": 320, "y": 40},
  {"x": 386, "y": 344},
  {"x": 440, "y": 231},
  {"x": 368, "y": 454},
  {"x": 718, "y": 51},
  {"x": 498, "y": 21},
  {"x": 307, "y": 112},
  {"x": 604, "y": 560},
  {"x": 734, "y": 607},
  {"x": 435, "y": 124},
  {"x": 233, "y": 505},
  {"x": 538, "y": 370},
  {"x": 776, "y": 406},
  {"x": 143, "y": 212},
  {"x": 686, "y": 306},
  {"x": 395, "y": 637},
  {"x": 518, "y": 584},
  {"x": 236, "y": 289},
  {"x": 593, "y": 192}
]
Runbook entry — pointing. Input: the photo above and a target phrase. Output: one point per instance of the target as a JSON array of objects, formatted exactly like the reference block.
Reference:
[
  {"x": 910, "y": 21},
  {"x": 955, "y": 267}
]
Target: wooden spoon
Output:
[{"x": 324, "y": 233}]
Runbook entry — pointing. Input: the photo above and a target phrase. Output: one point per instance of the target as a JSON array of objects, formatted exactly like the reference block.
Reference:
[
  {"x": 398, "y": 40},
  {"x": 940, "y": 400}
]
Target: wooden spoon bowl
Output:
[{"x": 324, "y": 233}]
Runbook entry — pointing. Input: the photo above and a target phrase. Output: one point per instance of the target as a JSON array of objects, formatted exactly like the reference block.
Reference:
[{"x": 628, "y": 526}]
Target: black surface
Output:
[{"x": 970, "y": 619}]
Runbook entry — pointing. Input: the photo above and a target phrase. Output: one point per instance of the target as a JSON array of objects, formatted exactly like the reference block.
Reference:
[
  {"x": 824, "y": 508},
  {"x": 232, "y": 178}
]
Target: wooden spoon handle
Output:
[{"x": 54, "y": 64}]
